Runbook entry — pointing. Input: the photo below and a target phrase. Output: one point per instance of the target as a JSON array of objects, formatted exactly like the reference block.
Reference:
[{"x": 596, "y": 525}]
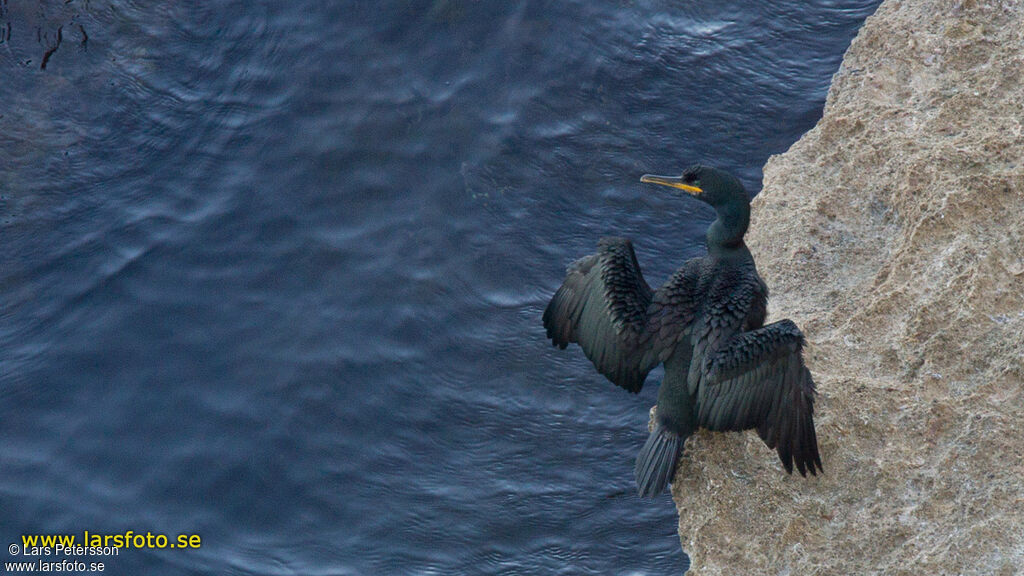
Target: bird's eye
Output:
[{"x": 690, "y": 176}]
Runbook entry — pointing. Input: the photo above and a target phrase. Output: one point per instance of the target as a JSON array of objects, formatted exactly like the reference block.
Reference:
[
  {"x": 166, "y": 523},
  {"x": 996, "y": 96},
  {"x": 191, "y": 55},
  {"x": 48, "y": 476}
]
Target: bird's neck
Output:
[{"x": 726, "y": 232}]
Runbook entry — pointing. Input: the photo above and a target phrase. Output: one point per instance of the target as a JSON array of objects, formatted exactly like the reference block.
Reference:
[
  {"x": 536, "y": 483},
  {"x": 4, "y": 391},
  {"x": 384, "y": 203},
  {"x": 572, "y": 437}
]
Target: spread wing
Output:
[
  {"x": 758, "y": 380},
  {"x": 602, "y": 306}
]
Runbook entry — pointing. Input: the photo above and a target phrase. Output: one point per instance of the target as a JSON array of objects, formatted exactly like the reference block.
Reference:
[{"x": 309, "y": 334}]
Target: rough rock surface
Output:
[{"x": 893, "y": 234}]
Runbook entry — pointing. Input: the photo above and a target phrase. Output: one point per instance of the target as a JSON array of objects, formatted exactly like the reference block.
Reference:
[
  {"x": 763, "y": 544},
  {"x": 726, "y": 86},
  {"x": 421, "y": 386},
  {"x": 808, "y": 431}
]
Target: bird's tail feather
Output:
[{"x": 656, "y": 463}]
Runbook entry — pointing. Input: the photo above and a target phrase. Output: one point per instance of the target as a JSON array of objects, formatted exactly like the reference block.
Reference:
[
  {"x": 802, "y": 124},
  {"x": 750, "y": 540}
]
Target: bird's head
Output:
[{"x": 716, "y": 187}]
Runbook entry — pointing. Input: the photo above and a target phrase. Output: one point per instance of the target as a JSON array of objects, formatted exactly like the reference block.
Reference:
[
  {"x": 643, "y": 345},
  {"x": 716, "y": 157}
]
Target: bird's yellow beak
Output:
[{"x": 671, "y": 181}]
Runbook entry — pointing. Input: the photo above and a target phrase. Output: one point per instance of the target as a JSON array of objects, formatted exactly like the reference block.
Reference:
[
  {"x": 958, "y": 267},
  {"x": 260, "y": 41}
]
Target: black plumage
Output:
[{"x": 724, "y": 369}]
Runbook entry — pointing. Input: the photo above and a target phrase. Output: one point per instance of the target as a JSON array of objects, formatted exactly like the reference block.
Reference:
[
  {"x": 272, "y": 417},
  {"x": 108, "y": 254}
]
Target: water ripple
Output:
[{"x": 274, "y": 272}]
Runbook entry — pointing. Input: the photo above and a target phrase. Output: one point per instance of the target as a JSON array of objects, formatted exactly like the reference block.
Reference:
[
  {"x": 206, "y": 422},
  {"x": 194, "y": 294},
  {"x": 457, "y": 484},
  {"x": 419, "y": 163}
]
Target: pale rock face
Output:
[{"x": 893, "y": 234}]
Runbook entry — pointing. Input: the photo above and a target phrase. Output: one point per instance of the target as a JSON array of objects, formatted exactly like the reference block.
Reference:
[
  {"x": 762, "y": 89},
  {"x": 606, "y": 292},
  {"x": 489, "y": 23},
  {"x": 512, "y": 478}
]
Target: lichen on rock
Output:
[{"x": 893, "y": 234}]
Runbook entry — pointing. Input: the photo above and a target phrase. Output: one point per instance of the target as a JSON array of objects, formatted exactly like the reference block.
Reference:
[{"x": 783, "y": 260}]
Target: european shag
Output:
[{"x": 724, "y": 369}]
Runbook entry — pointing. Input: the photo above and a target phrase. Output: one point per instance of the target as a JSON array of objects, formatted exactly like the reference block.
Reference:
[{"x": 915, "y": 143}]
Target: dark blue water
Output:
[{"x": 272, "y": 273}]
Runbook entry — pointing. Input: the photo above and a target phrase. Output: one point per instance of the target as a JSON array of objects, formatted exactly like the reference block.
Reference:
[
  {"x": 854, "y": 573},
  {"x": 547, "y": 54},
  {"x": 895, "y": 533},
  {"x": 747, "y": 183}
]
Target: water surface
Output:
[{"x": 273, "y": 272}]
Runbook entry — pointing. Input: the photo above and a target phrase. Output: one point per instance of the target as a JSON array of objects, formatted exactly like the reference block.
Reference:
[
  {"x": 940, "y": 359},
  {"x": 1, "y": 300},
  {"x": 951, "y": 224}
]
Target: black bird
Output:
[{"x": 724, "y": 369}]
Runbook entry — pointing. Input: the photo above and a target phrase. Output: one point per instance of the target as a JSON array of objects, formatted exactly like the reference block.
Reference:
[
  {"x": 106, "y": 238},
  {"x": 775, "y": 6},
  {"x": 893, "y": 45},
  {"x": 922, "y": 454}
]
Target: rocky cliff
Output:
[{"x": 893, "y": 234}]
